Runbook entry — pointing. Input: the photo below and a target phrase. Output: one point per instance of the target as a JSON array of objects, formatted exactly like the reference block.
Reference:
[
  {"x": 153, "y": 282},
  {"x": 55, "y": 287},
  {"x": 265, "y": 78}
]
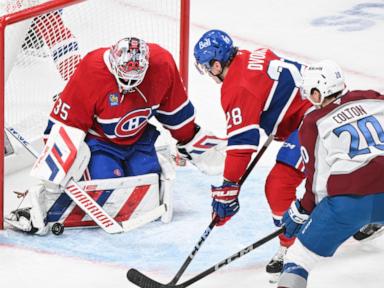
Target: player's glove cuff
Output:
[{"x": 294, "y": 218}]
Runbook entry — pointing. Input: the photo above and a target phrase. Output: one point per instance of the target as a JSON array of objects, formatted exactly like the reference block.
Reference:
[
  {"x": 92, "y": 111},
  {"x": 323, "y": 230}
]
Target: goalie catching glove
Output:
[{"x": 205, "y": 151}]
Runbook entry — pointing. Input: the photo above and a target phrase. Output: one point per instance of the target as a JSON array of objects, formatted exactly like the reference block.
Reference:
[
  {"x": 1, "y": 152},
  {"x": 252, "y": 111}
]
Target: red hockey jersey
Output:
[
  {"x": 260, "y": 90},
  {"x": 92, "y": 102}
]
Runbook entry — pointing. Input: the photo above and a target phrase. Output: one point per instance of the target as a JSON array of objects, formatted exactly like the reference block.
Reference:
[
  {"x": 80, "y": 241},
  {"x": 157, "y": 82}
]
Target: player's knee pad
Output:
[{"x": 167, "y": 177}]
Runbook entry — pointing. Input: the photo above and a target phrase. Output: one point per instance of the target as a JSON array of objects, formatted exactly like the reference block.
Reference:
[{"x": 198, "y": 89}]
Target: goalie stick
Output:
[
  {"x": 143, "y": 281},
  {"x": 90, "y": 206}
]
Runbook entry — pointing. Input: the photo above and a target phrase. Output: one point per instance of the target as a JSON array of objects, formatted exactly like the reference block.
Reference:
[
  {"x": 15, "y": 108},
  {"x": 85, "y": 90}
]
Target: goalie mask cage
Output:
[{"x": 41, "y": 42}]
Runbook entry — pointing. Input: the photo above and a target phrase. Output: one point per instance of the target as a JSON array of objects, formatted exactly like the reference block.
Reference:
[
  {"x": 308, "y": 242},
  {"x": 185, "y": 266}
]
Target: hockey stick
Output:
[
  {"x": 90, "y": 206},
  {"x": 141, "y": 280}
]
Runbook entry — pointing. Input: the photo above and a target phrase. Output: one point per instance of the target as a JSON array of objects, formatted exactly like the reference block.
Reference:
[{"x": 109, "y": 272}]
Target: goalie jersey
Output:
[
  {"x": 259, "y": 91},
  {"x": 343, "y": 147},
  {"x": 92, "y": 102}
]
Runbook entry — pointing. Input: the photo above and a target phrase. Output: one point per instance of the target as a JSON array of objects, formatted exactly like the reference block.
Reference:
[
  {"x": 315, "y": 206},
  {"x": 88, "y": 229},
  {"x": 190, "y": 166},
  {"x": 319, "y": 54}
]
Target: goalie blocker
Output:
[
  {"x": 133, "y": 201},
  {"x": 206, "y": 151}
]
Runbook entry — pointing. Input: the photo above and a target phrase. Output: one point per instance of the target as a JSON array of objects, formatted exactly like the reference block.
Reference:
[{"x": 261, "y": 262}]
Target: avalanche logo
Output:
[{"x": 132, "y": 123}]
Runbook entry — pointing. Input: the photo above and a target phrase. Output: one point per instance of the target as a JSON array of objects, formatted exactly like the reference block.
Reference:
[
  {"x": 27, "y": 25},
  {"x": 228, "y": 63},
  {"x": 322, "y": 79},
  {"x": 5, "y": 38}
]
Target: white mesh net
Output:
[{"x": 51, "y": 45}]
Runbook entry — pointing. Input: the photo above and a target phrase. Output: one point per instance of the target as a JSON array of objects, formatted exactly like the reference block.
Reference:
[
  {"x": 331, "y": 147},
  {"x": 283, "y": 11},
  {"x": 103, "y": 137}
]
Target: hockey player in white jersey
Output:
[{"x": 343, "y": 149}]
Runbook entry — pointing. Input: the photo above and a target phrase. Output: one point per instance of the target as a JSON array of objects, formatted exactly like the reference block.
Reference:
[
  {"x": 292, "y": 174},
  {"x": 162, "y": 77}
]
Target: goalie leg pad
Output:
[
  {"x": 122, "y": 198},
  {"x": 38, "y": 210},
  {"x": 167, "y": 177}
]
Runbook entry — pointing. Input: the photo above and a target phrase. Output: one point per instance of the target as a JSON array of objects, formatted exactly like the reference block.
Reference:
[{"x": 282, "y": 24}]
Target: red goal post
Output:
[{"x": 173, "y": 15}]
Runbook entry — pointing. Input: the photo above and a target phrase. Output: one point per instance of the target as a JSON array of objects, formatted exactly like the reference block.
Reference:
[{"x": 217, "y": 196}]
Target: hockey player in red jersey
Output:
[
  {"x": 259, "y": 91},
  {"x": 343, "y": 149},
  {"x": 105, "y": 109}
]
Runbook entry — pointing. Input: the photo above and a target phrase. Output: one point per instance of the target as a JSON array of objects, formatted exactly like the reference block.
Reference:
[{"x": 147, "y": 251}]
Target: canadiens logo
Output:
[
  {"x": 132, "y": 123},
  {"x": 114, "y": 99}
]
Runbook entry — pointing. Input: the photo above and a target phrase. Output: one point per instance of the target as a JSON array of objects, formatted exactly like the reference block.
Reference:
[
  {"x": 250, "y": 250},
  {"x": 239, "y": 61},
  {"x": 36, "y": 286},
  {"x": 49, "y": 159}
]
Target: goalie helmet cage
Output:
[{"x": 41, "y": 42}]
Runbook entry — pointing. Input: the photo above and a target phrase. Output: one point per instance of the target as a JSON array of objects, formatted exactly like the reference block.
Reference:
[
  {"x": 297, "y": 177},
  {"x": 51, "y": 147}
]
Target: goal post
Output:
[{"x": 38, "y": 57}]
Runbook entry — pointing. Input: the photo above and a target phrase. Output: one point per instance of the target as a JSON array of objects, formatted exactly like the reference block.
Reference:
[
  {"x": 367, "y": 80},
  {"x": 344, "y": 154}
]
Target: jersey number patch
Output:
[
  {"x": 365, "y": 132},
  {"x": 234, "y": 117},
  {"x": 61, "y": 109}
]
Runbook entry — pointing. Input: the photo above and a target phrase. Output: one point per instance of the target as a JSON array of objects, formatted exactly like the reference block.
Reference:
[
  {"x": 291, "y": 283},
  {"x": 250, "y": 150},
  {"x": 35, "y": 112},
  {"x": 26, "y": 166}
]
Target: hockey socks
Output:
[{"x": 293, "y": 276}]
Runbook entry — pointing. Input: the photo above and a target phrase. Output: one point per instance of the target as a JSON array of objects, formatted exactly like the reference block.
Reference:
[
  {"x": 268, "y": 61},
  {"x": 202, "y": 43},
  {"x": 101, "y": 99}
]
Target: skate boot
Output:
[
  {"x": 275, "y": 266},
  {"x": 370, "y": 231}
]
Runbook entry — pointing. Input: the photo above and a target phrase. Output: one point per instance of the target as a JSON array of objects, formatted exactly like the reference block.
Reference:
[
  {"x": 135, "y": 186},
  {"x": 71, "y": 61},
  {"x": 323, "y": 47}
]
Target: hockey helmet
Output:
[
  {"x": 325, "y": 76},
  {"x": 129, "y": 59},
  {"x": 213, "y": 45}
]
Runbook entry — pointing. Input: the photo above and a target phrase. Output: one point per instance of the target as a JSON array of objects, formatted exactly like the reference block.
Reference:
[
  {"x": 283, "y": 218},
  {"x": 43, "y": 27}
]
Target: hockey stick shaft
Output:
[
  {"x": 141, "y": 280},
  {"x": 194, "y": 251},
  {"x": 230, "y": 259},
  {"x": 216, "y": 219},
  {"x": 256, "y": 159},
  {"x": 22, "y": 140}
]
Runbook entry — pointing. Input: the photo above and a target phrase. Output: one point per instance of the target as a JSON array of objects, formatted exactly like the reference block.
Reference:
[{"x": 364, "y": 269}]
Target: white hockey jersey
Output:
[{"x": 343, "y": 147}]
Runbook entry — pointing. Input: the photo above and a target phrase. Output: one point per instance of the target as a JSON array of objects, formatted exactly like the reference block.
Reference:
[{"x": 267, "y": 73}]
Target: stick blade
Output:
[{"x": 139, "y": 279}]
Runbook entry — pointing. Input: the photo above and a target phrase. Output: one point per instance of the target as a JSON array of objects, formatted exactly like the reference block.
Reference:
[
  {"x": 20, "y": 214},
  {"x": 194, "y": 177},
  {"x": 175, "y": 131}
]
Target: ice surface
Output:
[{"x": 347, "y": 31}]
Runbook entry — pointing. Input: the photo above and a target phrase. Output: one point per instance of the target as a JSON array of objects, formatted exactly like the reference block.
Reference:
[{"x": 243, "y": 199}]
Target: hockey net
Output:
[{"x": 43, "y": 41}]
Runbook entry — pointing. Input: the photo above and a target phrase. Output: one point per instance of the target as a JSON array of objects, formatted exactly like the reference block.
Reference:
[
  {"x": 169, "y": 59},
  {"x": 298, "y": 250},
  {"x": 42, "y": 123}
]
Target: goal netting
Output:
[{"x": 42, "y": 52}]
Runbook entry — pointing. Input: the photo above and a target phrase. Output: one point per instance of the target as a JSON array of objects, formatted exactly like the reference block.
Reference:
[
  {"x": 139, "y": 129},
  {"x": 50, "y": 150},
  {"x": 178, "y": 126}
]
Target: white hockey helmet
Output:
[
  {"x": 325, "y": 76},
  {"x": 129, "y": 59}
]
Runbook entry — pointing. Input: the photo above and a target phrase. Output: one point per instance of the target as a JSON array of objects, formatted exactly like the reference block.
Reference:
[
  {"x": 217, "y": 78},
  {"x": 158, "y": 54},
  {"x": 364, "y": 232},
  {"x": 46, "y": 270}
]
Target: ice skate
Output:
[
  {"x": 275, "y": 266},
  {"x": 370, "y": 231}
]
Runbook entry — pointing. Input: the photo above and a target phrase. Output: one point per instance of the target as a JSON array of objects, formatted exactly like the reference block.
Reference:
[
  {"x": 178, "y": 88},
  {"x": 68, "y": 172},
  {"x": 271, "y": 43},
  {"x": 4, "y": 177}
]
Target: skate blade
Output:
[{"x": 375, "y": 235}]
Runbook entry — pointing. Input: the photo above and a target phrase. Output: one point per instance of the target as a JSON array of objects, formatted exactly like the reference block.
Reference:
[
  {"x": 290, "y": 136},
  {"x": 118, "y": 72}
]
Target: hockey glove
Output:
[
  {"x": 294, "y": 218},
  {"x": 205, "y": 151},
  {"x": 225, "y": 202}
]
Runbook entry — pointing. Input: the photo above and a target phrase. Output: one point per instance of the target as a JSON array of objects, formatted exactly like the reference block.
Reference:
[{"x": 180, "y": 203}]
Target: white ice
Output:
[{"x": 347, "y": 31}]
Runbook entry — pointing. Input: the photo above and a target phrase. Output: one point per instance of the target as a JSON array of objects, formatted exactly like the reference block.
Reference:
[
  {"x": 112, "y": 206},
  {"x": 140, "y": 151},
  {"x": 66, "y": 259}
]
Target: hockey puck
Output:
[{"x": 57, "y": 229}]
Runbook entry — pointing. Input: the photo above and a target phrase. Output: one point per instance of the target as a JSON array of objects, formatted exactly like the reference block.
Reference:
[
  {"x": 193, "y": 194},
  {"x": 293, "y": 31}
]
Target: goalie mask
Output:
[{"x": 129, "y": 59}]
